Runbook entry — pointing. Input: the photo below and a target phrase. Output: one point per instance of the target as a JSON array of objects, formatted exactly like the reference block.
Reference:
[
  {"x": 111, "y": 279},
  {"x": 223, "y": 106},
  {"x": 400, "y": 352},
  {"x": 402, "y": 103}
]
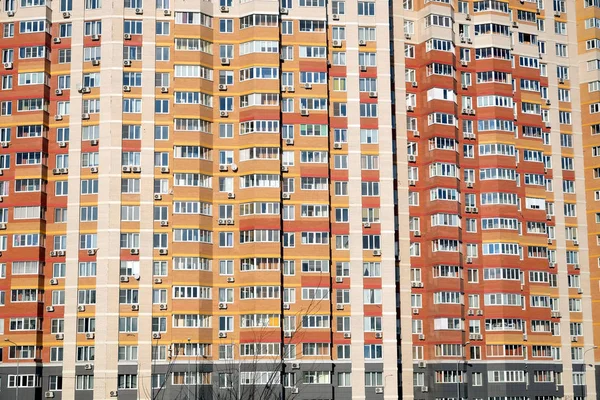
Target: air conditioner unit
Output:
[
  {"x": 469, "y": 260},
  {"x": 335, "y": 17},
  {"x": 55, "y": 171},
  {"x": 127, "y": 88},
  {"x": 49, "y": 395},
  {"x": 163, "y": 252},
  {"x": 134, "y": 252},
  {"x": 66, "y": 14},
  {"x": 366, "y": 224},
  {"x": 96, "y": 63},
  {"x": 424, "y": 389},
  {"x": 222, "y": 167},
  {"x": 339, "y": 307},
  {"x": 158, "y": 196},
  {"x": 139, "y": 11},
  {"x": 378, "y": 390},
  {"x": 221, "y": 221},
  {"x": 231, "y": 195},
  {"x": 479, "y": 312},
  {"x": 421, "y": 337},
  {"x": 157, "y": 281},
  {"x": 548, "y": 217},
  {"x": 90, "y": 335},
  {"x": 422, "y": 364},
  {"x": 49, "y": 308},
  {"x": 295, "y": 365},
  {"x": 164, "y": 170},
  {"x": 416, "y": 134},
  {"x": 378, "y": 335},
  {"x": 347, "y": 335},
  {"x": 224, "y": 114},
  {"x": 230, "y": 279},
  {"x": 555, "y": 314},
  {"x": 164, "y": 223},
  {"x": 85, "y": 116},
  {"x": 222, "y": 306},
  {"x": 561, "y": 80},
  {"x": 127, "y": 36},
  {"x": 164, "y": 89},
  {"x": 336, "y": 43},
  {"x": 163, "y": 306},
  {"x": 156, "y": 335},
  {"x": 81, "y": 308},
  {"x": 515, "y": 25},
  {"x": 414, "y": 84},
  {"x": 114, "y": 393},
  {"x": 412, "y": 182},
  {"x": 289, "y": 142},
  {"x": 225, "y": 61},
  {"x": 339, "y": 279},
  {"x": 407, "y": 36},
  {"x": 575, "y": 242},
  {"x": 136, "y": 168},
  {"x": 548, "y": 102},
  {"x": 88, "y": 366},
  {"x": 167, "y": 13},
  {"x": 557, "y": 13},
  {"x": 576, "y": 266},
  {"x": 54, "y": 281},
  {"x": 373, "y": 95},
  {"x": 222, "y": 335},
  {"x": 62, "y": 144},
  {"x": 8, "y": 65},
  {"x": 94, "y": 142},
  {"x": 58, "y": 117},
  {"x": 304, "y": 113},
  {"x": 58, "y": 92},
  {"x": 60, "y": 253},
  {"x": 60, "y": 336},
  {"x": 135, "y": 307},
  {"x": 470, "y": 185},
  {"x": 471, "y": 312},
  {"x": 285, "y": 168},
  {"x": 127, "y": 63},
  {"x": 224, "y": 9},
  {"x": 377, "y": 253},
  {"x": 552, "y": 265},
  {"x": 286, "y": 196},
  {"x": 286, "y": 306},
  {"x": 124, "y": 278},
  {"x": 56, "y": 40},
  {"x": 95, "y": 38},
  {"x": 91, "y": 252},
  {"x": 573, "y": 338},
  {"x": 549, "y": 241},
  {"x": 283, "y": 11},
  {"x": 289, "y": 89},
  {"x": 363, "y": 68},
  {"x": 53, "y": 254},
  {"x": 416, "y": 284},
  {"x": 10, "y": 13},
  {"x": 223, "y": 88},
  {"x": 412, "y": 158},
  {"x": 579, "y": 291}
]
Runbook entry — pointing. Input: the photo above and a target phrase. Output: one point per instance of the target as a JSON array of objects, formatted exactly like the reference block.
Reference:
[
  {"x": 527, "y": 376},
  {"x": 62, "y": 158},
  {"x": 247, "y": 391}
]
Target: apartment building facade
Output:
[{"x": 298, "y": 199}]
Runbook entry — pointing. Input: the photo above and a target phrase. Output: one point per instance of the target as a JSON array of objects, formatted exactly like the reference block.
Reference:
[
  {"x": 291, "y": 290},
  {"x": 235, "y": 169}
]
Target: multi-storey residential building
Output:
[
  {"x": 210, "y": 199},
  {"x": 186, "y": 185}
]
